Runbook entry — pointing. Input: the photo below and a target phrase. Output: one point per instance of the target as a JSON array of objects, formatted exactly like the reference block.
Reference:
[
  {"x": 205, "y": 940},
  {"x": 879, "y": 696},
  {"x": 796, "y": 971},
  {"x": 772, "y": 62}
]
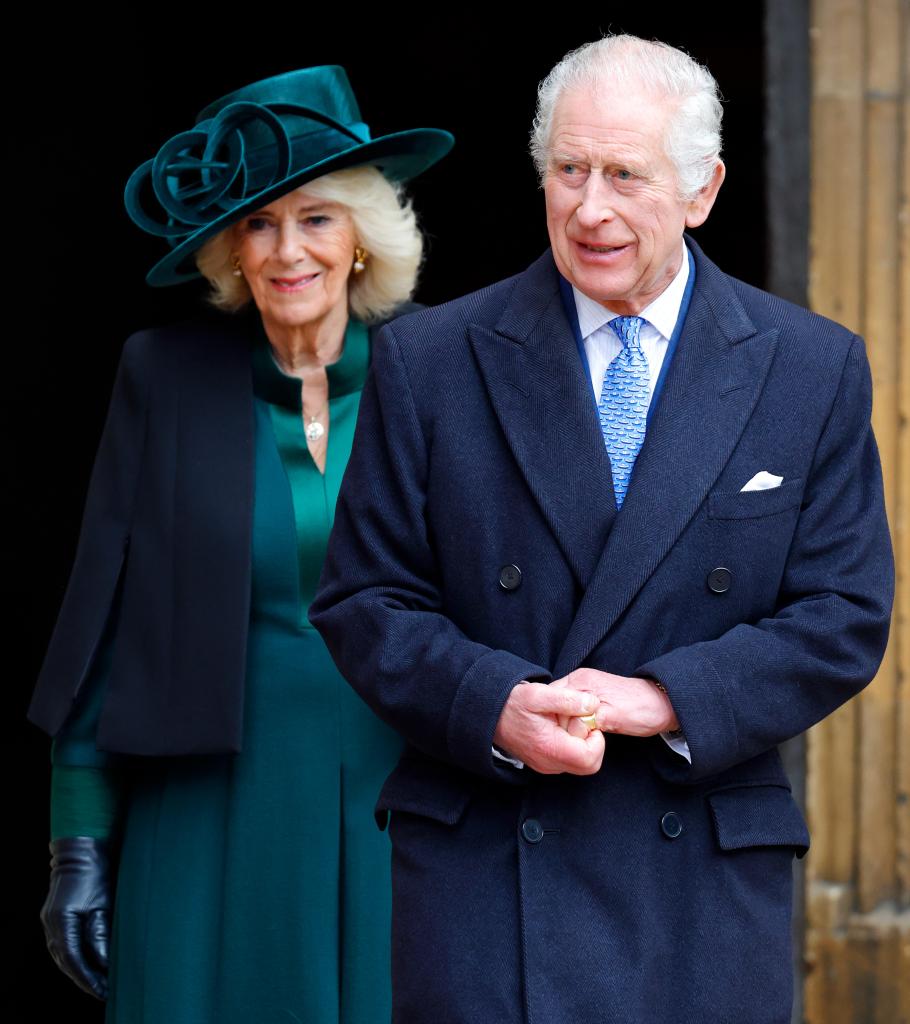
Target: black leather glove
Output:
[{"x": 77, "y": 912}]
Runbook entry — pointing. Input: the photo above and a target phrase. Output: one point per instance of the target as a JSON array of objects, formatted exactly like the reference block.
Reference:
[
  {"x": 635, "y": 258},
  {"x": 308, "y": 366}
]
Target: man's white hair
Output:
[{"x": 622, "y": 62}]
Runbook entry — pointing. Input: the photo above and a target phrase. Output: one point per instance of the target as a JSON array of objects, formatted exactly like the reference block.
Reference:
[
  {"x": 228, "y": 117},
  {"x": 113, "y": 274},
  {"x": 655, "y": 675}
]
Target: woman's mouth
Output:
[{"x": 292, "y": 284}]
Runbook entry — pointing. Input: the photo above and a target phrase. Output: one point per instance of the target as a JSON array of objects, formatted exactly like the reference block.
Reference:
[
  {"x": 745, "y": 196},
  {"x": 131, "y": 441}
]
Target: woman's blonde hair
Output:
[{"x": 384, "y": 224}]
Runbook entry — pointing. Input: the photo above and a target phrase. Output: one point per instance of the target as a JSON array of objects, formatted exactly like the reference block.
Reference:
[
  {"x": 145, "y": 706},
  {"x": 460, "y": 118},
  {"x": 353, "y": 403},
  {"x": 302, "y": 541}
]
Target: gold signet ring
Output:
[{"x": 589, "y": 720}]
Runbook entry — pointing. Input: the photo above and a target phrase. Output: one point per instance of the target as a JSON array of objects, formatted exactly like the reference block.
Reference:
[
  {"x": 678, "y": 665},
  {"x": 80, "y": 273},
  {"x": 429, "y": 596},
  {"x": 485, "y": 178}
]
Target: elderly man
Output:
[{"x": 619, "y": 493}]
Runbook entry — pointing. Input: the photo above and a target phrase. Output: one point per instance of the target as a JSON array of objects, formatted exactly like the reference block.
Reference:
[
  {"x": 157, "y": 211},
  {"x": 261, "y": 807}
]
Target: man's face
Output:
[{"x": 613, "y": 214}]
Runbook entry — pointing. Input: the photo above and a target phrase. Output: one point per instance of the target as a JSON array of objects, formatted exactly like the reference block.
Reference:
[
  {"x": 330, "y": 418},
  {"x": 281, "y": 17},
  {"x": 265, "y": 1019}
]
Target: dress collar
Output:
[{"x": 346, "y": 375}]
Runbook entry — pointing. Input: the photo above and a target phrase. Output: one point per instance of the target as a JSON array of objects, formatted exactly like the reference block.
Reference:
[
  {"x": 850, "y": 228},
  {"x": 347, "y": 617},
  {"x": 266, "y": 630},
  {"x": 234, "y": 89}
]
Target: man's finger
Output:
[
  {"x": 574, "y": 754},
  {"x": 544, "y": 699},
  {"x": 577, "y": 726},
  {"x": 606, "y": 718},
  {"x": 597, "y": 746}
]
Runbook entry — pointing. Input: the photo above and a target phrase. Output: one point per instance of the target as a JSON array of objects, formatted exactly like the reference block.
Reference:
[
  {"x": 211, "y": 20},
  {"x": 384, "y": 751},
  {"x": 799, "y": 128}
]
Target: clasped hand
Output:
[{"x": 540, "y": 723}]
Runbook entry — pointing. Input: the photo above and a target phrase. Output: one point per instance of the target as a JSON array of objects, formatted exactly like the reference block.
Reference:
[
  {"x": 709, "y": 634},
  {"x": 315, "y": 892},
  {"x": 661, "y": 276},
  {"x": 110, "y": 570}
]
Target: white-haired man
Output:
[{"x": 619, "y": 493}]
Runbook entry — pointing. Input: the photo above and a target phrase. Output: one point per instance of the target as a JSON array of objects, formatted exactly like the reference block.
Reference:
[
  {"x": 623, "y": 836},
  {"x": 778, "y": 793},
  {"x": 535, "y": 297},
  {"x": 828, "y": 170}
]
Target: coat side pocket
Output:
[
  {"x": 423, "y": 787},
  {"x": 750, "y": 816}
]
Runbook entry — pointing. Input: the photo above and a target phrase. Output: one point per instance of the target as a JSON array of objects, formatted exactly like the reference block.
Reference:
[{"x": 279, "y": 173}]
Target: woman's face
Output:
[{"x": 296, "y": 255}]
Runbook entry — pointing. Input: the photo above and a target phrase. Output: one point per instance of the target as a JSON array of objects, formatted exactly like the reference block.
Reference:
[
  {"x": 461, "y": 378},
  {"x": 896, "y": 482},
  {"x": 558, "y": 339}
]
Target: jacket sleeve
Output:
[
  {"x": 86, "y": 783},
  {"x": 102, "y": 545},
  {"x": 379, "y": 606},
  {"x": 763, "y": 682}
]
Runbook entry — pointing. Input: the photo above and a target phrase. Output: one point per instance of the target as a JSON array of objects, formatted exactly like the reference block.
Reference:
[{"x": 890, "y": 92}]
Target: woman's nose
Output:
[{"x": 290, "y": 242}]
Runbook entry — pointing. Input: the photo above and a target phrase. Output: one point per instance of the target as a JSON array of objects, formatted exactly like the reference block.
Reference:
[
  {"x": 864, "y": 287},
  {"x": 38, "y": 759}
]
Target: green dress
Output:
[{"x": 255, "y": 887}]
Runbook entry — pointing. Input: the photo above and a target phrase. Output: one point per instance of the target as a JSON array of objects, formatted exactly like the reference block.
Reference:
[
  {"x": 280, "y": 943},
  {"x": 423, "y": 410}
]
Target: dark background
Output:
[{"x": 92, "y": 110}]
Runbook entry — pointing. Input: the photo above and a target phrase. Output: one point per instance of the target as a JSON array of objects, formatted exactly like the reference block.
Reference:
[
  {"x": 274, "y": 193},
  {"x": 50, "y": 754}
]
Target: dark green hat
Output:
[{"x": 255, "y": 145}]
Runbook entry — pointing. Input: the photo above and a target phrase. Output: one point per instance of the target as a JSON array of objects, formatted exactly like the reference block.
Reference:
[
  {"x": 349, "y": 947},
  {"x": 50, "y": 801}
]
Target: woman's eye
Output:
[
  {"x": 256, "y": 223},
  {"x": 316, "y": 219}
]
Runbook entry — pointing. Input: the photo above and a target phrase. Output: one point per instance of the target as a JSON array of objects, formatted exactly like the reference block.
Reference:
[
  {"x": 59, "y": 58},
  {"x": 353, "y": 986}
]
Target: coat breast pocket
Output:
[{"x": 755, "y": 504}]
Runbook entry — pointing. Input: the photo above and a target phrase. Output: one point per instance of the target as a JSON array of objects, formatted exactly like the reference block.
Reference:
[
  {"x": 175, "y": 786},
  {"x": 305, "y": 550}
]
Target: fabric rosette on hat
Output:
[{"x": 253, "y": 146}]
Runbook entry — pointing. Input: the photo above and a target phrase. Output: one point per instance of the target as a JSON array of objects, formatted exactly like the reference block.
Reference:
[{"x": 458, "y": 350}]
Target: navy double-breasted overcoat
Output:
[{"x": 653, "y": 890}]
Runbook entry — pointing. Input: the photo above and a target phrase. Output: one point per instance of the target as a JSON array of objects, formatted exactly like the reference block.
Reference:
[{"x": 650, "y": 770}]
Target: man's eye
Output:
[
  {"x": 569, "y": 169},
  {"x": 624, "y": 175}
]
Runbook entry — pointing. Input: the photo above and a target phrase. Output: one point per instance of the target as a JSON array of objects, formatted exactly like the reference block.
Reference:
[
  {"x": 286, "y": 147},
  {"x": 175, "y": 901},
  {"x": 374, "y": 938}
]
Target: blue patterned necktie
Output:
[{"x": 623, "y": 404}]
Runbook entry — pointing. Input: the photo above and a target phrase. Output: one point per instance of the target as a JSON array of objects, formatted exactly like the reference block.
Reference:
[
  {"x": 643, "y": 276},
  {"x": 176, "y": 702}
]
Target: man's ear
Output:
[{"x": 700, "y": 206}]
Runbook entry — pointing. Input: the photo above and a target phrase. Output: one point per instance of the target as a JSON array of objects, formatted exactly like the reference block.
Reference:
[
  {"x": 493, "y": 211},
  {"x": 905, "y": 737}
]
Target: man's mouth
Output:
[{"x": 601, "y": 248}]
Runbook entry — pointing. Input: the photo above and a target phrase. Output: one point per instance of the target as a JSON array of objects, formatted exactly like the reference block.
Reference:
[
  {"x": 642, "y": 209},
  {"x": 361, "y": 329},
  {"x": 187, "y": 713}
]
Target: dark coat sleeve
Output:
[
  {"x": 379, "y": 606},
  {"x": 763, "y": 682},
  {"x": 102, "y": 545}
]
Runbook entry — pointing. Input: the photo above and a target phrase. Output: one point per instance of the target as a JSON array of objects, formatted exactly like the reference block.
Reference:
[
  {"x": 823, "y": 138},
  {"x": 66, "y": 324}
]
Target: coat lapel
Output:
[
  {"x": 711, "y": 388},
  {"x": 542, "y": 399}
]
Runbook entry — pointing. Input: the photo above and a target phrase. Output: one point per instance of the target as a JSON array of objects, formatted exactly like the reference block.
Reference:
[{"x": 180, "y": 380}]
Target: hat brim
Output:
[{"x": 400, "y": 156}]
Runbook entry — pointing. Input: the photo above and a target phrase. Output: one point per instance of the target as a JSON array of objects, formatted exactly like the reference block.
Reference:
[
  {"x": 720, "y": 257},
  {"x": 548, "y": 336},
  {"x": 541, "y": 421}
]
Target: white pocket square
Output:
[{"x": 763, "y": 481}]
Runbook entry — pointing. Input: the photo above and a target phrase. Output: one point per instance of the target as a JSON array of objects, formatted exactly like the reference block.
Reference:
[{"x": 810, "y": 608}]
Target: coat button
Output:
[
  {"x": 510, "y": 577},
  {"x": 671, "y": 825},
  {"x": 532, "y": 830},
  {"x": 719, "y": 580}
]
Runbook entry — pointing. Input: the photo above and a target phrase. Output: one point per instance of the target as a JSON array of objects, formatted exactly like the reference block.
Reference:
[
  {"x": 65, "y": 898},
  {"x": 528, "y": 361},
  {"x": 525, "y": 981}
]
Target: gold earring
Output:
[
  {"x": 360, "y": 259},
  {"x": 235, "y": 264}
]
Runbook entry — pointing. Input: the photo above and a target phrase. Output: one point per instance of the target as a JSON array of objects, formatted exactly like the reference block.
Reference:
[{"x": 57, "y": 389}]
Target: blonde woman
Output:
[{"x": 210, "y": 764}]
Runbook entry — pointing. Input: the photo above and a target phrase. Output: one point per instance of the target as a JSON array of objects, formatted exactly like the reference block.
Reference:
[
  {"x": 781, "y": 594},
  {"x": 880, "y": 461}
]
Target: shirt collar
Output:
[{"x": 662, "y": 313}]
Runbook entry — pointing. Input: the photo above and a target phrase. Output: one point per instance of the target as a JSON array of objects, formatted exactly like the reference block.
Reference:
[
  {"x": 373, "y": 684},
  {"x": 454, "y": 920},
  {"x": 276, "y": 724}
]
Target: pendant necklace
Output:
[{"x": 314, "y": 430}]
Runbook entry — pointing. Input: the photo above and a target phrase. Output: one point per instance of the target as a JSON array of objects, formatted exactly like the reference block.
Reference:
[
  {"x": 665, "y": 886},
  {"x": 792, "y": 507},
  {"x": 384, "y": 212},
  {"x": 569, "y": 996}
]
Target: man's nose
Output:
[{"x": 596, "y": 202}]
